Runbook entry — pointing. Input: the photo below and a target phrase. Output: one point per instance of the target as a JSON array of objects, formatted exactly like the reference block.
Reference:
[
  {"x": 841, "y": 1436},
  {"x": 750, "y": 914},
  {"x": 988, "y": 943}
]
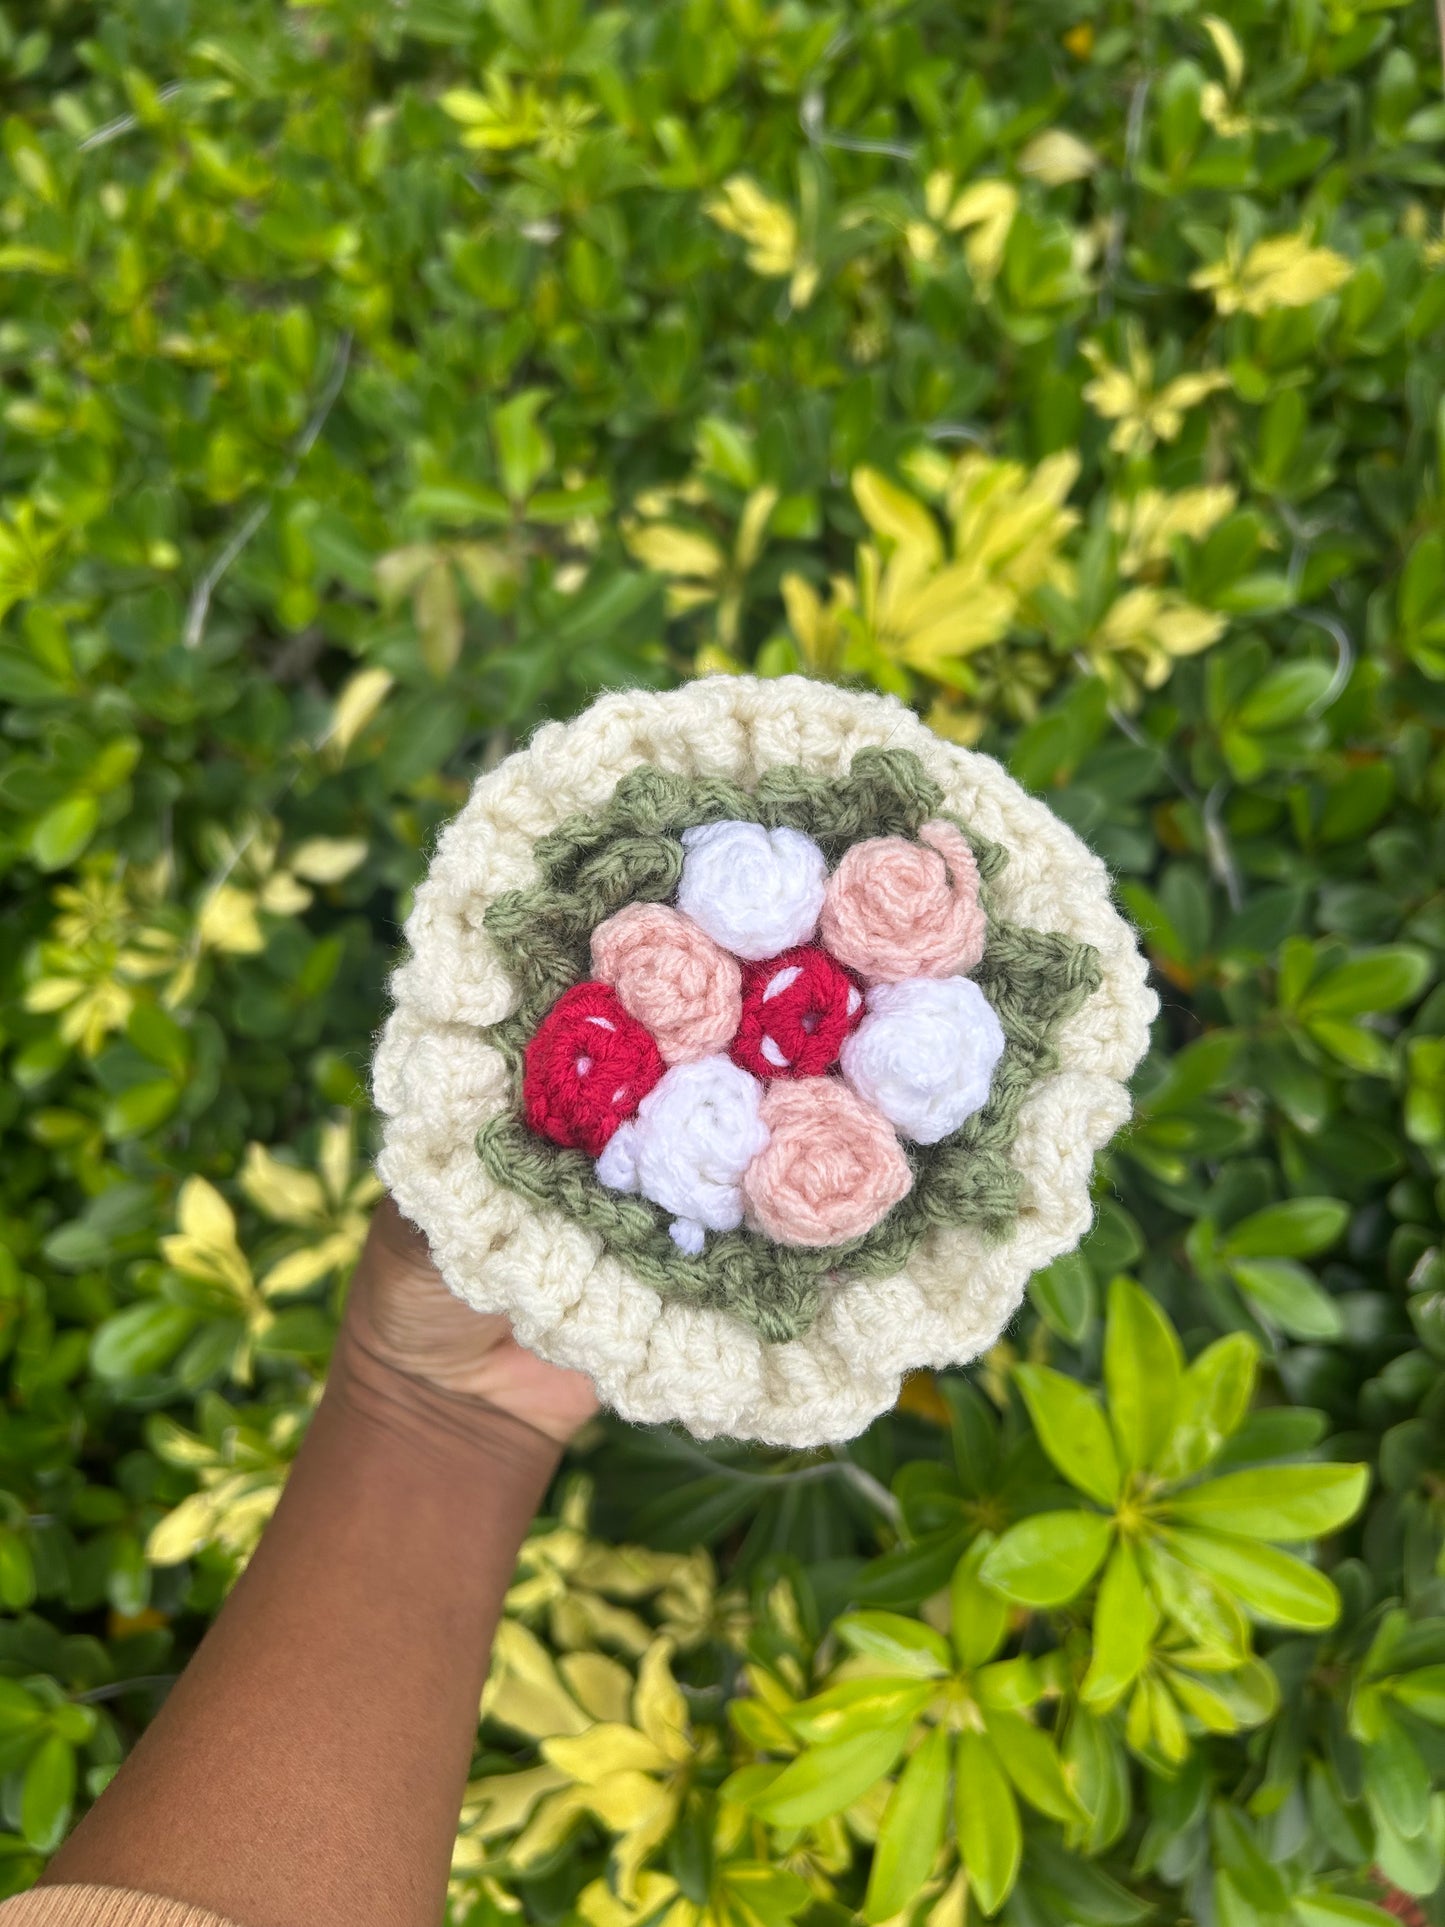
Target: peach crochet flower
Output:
[
  {"x": 672, "y": 978},
  {"x": 832, "y": 1168},
  {"x": 896, "y": 909}
]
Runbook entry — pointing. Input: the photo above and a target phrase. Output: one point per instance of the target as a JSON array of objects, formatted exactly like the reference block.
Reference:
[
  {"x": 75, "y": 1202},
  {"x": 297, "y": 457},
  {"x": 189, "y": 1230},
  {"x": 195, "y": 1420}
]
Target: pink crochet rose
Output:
[
  {"x": 672, "y": 978},
  {"x": 832, "y": 1168},
  {"x": 896, "y": 909}
]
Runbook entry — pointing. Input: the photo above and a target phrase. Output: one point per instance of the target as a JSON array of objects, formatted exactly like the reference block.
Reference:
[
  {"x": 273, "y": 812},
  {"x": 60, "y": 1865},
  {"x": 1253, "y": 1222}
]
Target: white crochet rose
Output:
[
  {"x": 756, "y": 892},
  {"x": 924, "y": 1054},
  {"x": 438, "y": 1078},
  {"x": 694, "y": 1135}
]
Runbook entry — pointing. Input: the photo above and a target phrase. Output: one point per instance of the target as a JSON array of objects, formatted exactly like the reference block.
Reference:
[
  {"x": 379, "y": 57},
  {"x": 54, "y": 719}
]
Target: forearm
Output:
[{"x": 309, "y": 1765}]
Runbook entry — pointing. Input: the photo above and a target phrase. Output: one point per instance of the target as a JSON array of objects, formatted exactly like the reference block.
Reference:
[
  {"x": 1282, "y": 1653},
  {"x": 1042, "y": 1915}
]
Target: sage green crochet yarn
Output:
[{"x": 629, "y": 851}]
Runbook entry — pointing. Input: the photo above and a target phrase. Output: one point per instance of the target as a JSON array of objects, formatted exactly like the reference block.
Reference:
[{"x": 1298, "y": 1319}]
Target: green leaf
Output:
[
  {"x": 20, "y": 1712},
  {"x": 1298, "y": 1228},
  {"x": 1063, "y": 1295},
  {"x": 762, "y": 1895},
  {"x": 1143, "y": 1365},
  {"x": 1072, "y": 1429},
  {"x": 63, "y": 832},
  {"x": 1195, "y": 1602},
  {"x": 903, "y": 1645},
  {"x": 1048, "y": 1559},
  {"x": 1423, "y": 1692},
  {"x": 1239, "y": 1853},
  {"x": 1125, "y": 1621},
  {"x": 1271, "y": 1585},
  {"x": 1287, "y": 1502},
  {"x": 857, "y": 1706},
  {"x": 524, "y": 454},
  {"x": 825, "y": 1779},
  {"x": 978, "y": 1614},
  {"x": 1079, "y": 1892},
  {"x": 1397, "y": 1780},
  {"x": 1032, "y": 1764},
  {"x": 1379, "y": 980},
  {"x": 1213, "y": 1402},
  {"x": 911, "y": 1830},
  {"x": 17, "y": 1572},
  {"x": 986, "y": 1816},
  {"x": 47, "y": 1794},
  {"x": 1099, "y": 1769},
  {"x": 1339, "y": 1910},
  {"x": 1284, "y": 695},
  {"x": 1289, "y": 1297},
  {"x": 143, "y": 1338}
]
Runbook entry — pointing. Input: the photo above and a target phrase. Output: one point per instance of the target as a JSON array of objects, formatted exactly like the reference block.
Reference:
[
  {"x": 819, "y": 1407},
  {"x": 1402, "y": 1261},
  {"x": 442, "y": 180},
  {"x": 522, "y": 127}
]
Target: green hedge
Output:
[{"x": 376, "y": 380}]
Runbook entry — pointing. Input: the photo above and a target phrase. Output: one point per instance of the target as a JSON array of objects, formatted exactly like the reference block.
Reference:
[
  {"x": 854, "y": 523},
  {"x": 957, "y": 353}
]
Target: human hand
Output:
[{"x": 400, "y": 1315}]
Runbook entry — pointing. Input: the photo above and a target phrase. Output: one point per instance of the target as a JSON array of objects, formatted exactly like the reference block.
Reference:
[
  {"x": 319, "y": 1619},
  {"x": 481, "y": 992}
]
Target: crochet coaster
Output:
[{"x": 752, "y": 1049}]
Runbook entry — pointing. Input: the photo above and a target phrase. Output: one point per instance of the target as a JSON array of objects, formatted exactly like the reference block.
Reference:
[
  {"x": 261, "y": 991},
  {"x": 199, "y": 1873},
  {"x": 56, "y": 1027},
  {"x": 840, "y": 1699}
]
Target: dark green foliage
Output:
[{"x": 377, "y": 381}]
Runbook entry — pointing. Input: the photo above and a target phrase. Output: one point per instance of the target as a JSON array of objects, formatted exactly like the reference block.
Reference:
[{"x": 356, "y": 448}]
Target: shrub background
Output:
[{"x": 375, "y": 381}]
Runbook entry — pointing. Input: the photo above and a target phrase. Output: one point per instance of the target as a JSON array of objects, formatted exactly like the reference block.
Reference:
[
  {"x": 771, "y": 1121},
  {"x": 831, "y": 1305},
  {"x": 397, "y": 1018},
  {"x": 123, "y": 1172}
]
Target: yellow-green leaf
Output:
[
  {"x": 902, "y": 1645},
  {"x": 1037, "y": 1772},
  {"x": 990, "y": 1838},
  {"x": 1286, "y": 1502},
  {"x": 302, "y": 1269},
  {"x": 1213, "y": 1401},
  {"x": 826, "y": 1779},
  {"x": 1056, "y": 157},
  {"x": 1271, "y": 1585},
  {"x": 603, "y": 1752},
  {"x": 359, "y": 700},
  {"x": 327, "y": 859},
  {"x": 1143, "y": 1365},
  {"x": 1125, "y": 1621},
  {"x": 892, "y": 512},
  {"x": 911, "y": 1831},
  {"x": 1050, "y": 1558},
  {"x": 280, "y": 1191},
  {"x": 978, "y": 1614},
  {"x": 1072, "y": 1429},
  {"x": 658, "y": 1705}
]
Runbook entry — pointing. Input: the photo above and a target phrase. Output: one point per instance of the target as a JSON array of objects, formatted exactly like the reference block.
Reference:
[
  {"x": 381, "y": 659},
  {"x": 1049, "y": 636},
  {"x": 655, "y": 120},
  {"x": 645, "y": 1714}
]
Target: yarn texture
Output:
[
  {"x": 693, "y": 1137},
  {"x": 795, "y": 1011},
  {"x": 832, "y": 1167},
  {"x": 925, "y": 1053},
  {"x": 672, "y": 978},
  {"x": 896, "y": 909},
  {"x": 586, "y": 819},
  {"x": 1033, "y": 979},
  {"x": 755, "y": 891},
  {"x": 589, "y": 1067}
]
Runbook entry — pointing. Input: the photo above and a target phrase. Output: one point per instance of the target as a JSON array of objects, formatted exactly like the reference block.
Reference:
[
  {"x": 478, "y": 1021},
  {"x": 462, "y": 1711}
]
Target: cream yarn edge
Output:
[{"x": 654, "y": 1360}]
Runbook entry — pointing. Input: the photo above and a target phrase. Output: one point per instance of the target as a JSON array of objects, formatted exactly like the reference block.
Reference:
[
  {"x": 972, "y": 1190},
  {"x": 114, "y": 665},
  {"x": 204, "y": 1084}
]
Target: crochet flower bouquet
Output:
[{"x": 753, "y": 1049}]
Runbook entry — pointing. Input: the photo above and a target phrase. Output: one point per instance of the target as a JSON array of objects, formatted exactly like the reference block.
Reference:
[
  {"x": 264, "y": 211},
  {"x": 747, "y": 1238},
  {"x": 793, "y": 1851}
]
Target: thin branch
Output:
[
  {"x": 123, "y": 123},
  {"x": 200, "y": 604},
  {"x": 1344, "y": 651},
  {"x": 811, "y": 112},
  {"x": 1118, "y": 224},
  {"x": 1216, "y": 840},
  {"x": 117, "y": 1688},
  {"x": 1216, "y": 845},
  {"x": 803, "y": 1475},
  {"x": 873, "y": 1490}
]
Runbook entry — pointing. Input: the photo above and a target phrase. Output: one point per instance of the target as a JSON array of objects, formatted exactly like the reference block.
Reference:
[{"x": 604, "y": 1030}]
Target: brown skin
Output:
[{"x": 308, "y": 1767}]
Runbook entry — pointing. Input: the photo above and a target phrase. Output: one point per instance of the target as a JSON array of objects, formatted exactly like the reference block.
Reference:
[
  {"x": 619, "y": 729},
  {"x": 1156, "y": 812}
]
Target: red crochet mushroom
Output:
[
  {"x": 797, "y": 1009},
  {"x": 587, "y": 1069}
]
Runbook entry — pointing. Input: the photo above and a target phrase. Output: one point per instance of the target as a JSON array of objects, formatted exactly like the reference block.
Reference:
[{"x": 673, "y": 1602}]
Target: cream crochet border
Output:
[{"x": 436, "y": 1079}]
